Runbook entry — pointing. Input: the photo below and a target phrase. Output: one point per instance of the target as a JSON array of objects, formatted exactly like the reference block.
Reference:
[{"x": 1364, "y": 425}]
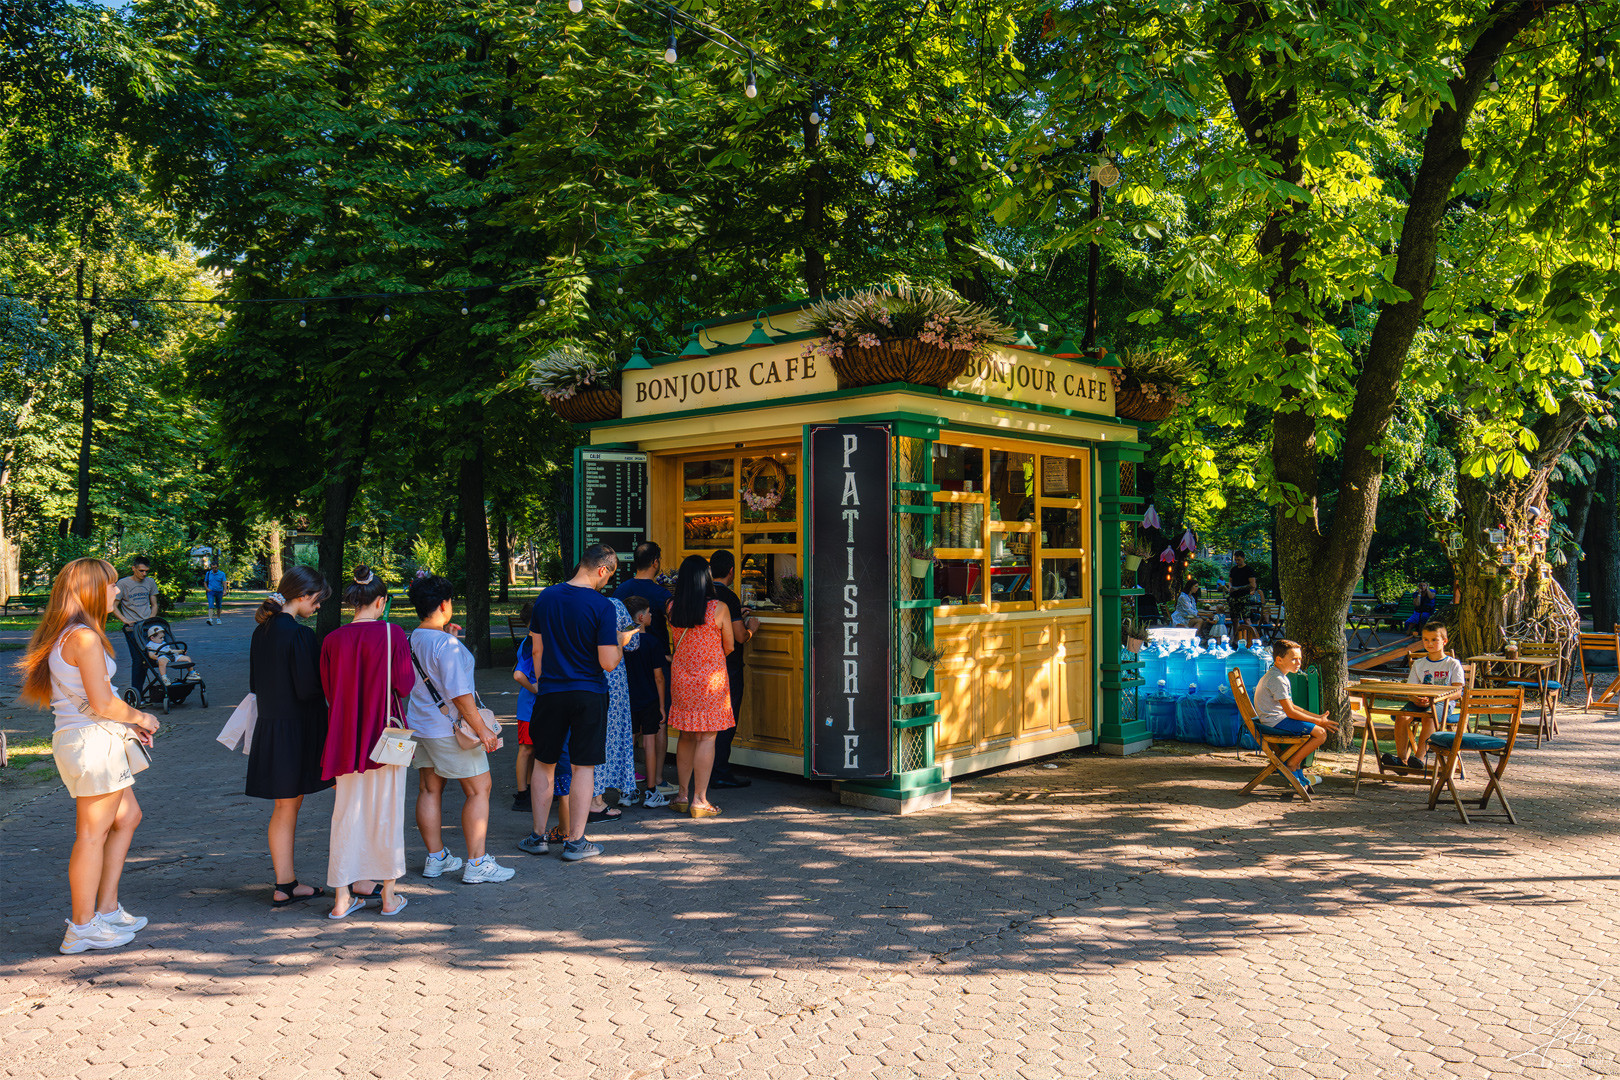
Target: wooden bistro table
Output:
[
  {"x": 1540, "y": 670},
  {"x": 1367, "y": 691}
]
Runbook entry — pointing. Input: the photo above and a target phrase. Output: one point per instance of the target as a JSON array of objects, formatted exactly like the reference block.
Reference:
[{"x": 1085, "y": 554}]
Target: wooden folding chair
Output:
[
  {"x": 1600, "y": 653},
  {"x": 1546, "y": 722},
  {"x": 1270, "y": 740},
  {"x": 1496, "y": 707}
]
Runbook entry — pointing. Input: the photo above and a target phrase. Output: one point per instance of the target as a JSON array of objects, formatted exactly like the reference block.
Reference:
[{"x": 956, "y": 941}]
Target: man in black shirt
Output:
[
  {"x": 723, "y": 568},
  {"x": 1243, "y": 579}
]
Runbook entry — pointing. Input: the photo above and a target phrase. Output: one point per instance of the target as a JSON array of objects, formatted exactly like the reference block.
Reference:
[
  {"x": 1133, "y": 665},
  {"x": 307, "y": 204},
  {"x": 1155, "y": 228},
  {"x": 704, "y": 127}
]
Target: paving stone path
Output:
[{"x": 1101, "y": 918}]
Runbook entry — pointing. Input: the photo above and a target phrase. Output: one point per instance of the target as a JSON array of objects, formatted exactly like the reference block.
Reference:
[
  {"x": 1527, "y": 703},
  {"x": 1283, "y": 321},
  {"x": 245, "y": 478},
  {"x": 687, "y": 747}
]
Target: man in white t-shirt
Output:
[
  {"x": 1274, "y": 708},
  {"x": 1430, "y": 667},
  {"x": 443, "y": 696}
]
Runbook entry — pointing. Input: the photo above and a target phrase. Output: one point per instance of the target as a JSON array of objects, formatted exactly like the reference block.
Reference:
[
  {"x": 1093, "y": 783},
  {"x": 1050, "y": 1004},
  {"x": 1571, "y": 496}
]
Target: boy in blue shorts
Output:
[
  {"x": 1274, "y": 708},
  {"x": 214, "y": 586}
]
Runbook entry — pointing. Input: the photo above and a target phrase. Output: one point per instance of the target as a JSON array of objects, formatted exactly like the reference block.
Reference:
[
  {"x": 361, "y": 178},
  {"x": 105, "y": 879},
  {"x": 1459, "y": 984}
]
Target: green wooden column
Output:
[
  {"x": 1120, "y": 728},
  {"x": 918, "y": 782}
]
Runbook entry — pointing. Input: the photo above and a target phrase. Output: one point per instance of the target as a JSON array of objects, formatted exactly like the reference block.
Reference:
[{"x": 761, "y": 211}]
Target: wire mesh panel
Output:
[{"x": 913, "y": 626}]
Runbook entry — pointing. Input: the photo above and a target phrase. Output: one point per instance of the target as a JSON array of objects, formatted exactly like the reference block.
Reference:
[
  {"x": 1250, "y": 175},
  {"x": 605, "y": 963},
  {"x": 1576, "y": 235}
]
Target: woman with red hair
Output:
[{"x": 69, "y": 668}]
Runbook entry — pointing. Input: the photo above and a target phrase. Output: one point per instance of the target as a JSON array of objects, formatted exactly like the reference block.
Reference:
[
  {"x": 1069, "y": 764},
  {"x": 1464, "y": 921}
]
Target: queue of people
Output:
[{"x": 601, "y": 678}]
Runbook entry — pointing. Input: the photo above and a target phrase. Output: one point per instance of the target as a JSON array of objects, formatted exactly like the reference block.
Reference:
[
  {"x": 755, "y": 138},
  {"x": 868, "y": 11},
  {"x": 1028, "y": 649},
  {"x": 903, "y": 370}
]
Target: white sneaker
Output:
[
  {"x": 122, "y": 920},
  {"x": 630, "y": 798},
  {"x": 443, "y": 863},
  {"x": 485, "y": 869},
  {"x": 654, "y": 799},
  {"x": 94, "y": 935}
]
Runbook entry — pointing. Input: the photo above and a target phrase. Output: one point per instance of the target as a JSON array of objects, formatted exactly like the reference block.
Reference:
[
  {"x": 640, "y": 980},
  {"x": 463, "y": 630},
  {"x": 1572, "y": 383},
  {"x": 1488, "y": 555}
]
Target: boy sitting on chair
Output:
[
  {"x": 163, "y": 653},
  {"x": 1274, "y": 708},
  {"x": 1430, "y": 667}
]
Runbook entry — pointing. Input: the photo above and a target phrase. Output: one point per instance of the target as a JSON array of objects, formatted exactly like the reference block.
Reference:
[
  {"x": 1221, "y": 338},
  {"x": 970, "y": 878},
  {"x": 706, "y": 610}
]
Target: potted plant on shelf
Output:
[
  {"x": 922, "y": 560},
  {"x": 923, "y": 657},
  {"x": 900, "y": 334},
  {"x": 580, "y": 381},
  {"x": 1149, "y": 386},
  {"x": 1133, "y": 632},
  {"x": 790, "y": 593},
  {"x": 1134, "y": 552}
]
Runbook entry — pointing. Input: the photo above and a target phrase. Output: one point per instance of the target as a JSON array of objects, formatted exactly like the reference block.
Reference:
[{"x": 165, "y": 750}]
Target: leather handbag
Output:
[
  {"x": 466, "y": 738},
  {"x": 394, "y": 745},
  {"x": 137, "y": 753}
]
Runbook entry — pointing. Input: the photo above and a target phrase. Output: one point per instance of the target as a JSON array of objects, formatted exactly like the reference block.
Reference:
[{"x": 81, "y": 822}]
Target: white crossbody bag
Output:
[{"x": 394, "y": 745}]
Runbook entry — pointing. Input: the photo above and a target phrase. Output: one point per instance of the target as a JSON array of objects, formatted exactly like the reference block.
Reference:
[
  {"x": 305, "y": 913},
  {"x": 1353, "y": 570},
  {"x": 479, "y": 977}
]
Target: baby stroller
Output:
[{"x": 182, "y": 674}]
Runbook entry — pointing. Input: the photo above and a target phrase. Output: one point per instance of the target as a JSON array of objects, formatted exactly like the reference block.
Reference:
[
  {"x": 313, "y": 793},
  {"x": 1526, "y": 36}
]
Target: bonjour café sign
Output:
[{"x": 773, "y": 373}]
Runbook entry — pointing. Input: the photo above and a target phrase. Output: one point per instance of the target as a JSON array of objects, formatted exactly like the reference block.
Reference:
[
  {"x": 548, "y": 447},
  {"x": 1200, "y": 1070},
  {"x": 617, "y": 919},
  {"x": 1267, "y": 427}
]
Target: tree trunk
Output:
[
  {"x": 503, "y": 548},
  {"x": 815, "y": 214},
  {"x": 10, "y": 550},
  {"x": 1577, "y": 508},
  {"x": 273, "y": 566},
  {"x": 342, "y": 485},
  {"x": 472, "y": 513},
  {"x": 87, "y": 392},
  {"x": 1600, "y": 570},
  {"x": 1501, "y": 585}
]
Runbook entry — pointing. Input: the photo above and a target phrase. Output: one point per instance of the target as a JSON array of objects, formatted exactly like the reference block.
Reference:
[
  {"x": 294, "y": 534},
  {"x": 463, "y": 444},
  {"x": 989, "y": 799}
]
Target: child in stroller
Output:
[
  {"x": 172, "y": 674},
  {"x": 164, "y": 652}
]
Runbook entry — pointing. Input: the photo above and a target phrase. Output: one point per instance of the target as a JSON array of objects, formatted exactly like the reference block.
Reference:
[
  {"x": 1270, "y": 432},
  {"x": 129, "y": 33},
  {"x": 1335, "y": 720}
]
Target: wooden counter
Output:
[{"x": 770, "y": 732}]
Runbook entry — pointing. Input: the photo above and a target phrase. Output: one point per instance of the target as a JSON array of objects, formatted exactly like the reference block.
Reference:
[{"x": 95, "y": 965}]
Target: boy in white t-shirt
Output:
[
  {"x": 1430, "y": 667},
  {"x": 1274, "y": 709}
]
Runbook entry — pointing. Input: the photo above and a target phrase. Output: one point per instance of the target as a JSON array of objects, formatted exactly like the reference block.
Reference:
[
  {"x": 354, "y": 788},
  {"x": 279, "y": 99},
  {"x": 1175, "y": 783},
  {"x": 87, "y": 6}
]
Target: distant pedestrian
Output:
[
  {"x": 366, "y": 673},
  {"x": 137, "y": 601},
  {"x": 723, "y": 567},
  {"x": 647, "y": 673},
  {"x": 576, "y": 643},
  {"x": 525, "y": 706},
  {"x": 700, "y": 695},
  {"x": 284, "y": 761},
  {"x": 214, "y": 584},
  {"x": 69, "y": 667},
  {"x": 443, "y": 697}
]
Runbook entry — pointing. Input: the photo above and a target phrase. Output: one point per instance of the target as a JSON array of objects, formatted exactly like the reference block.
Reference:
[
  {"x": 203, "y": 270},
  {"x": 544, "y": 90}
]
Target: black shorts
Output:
[
  {"x": 577, "y": 717},
  {"x": 646, "y": 719}
]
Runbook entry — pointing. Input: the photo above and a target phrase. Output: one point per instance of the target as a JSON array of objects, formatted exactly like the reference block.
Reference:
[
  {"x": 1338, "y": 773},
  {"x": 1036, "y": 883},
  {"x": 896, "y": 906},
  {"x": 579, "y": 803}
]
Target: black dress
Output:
[{"x": 284, "y": 671}]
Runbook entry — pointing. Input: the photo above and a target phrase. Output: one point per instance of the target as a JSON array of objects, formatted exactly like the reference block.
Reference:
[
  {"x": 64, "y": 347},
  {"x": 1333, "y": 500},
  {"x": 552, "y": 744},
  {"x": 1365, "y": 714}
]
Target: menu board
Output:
[
  {"x": 850, "y": 615},
  {"x": 610, "y": 501}
]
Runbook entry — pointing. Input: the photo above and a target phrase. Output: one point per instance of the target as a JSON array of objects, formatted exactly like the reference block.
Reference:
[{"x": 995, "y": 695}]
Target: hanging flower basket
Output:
[
  {"x": 926, "y": 337},
  {"x": 1137, "y": 404},
  {"x": 589, "y": 405},
  {"x": 899, "y": 361},
  {"x": 1132, "y": 562}
]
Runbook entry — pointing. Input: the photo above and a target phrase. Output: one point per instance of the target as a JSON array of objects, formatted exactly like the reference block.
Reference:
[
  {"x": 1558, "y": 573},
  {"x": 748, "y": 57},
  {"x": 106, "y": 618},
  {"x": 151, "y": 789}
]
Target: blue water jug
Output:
[
  {"x": 1192, "y": 717},
  {"x": 1181, "y": 668},
  {"x": 1225, "y": 723},
  {"x": 1153, "y": 670},
  {"x": 1211, "y": 668},
  {"x": 1161, "y": 714},
  {"x": 1248, "y": 662}
]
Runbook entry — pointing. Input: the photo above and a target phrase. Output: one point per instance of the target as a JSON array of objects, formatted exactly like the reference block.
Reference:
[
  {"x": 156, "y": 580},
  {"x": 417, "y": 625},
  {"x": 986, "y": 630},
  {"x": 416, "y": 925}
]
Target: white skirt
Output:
[{"x": 368, "y": 827}]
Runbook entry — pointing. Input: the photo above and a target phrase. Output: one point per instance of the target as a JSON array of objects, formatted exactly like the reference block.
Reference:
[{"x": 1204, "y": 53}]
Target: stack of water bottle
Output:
[{"x": 1186, "y": 694}]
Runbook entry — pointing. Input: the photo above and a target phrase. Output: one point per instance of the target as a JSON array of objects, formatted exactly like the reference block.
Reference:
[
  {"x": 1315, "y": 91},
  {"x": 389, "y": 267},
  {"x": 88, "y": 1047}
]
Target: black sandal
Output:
[
  {"x": 596, "y": 817},
  {"x": 292, "y": 897}
]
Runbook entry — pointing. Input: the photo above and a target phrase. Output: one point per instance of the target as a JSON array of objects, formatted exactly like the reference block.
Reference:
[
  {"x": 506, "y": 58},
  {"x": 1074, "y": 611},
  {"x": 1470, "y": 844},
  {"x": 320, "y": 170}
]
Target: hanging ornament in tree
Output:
[
  {"x": 1168, "y": 555},
  {"x": 1105, "y": 173},
  {"x": 1189, "y": 542},
  {"x": 1150, "y": 520}
]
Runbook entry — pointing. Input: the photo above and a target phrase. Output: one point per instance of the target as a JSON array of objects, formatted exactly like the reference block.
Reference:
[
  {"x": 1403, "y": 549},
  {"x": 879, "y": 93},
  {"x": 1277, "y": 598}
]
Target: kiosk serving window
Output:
[
  {"x": 1013, "y": 524},
  {"x": 747, "y": 503}
]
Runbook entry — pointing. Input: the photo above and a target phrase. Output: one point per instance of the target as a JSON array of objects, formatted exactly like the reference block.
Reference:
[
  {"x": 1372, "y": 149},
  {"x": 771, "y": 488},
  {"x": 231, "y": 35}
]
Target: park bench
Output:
[
  {"x": 29, "y": 602},
  {"x": 517, "y": 628}
]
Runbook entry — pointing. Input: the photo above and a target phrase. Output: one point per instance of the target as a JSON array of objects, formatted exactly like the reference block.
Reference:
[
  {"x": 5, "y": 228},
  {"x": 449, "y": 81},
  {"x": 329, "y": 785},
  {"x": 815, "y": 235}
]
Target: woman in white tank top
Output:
[{"x": 69, "y": 667}]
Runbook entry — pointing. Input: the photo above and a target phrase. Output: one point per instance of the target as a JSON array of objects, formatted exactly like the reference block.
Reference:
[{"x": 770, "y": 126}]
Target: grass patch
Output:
[
  {"x": 31, "y": 761},
  {"x": 12, "y": 646}
]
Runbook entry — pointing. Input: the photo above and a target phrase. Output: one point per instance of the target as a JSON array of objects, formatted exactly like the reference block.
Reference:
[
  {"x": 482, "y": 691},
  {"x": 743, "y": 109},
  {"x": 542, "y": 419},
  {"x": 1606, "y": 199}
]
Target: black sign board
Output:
[
  {"x": 610, "y": 502},
  {"x": 850, "y": 592}
]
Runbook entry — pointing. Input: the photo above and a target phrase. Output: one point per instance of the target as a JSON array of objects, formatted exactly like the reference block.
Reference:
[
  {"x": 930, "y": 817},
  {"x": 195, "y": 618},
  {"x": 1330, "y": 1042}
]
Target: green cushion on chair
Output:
[{"x": 1470, "y": 741}]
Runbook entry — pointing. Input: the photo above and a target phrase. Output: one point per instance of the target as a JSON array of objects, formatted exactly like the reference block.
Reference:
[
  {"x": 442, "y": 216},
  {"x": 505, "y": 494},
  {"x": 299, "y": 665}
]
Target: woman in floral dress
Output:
[
  {"x": 619, "y": 771},
  {"x": 700, "y": 692}
]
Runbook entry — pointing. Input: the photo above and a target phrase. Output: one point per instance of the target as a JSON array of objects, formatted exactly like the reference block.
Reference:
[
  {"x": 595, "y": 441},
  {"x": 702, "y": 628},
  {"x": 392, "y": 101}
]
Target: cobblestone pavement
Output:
[{"x": 1097, "y": 918}]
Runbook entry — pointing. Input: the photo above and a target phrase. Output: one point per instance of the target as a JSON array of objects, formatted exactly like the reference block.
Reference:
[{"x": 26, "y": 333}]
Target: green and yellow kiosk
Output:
[{"x": 956, "y": 550}]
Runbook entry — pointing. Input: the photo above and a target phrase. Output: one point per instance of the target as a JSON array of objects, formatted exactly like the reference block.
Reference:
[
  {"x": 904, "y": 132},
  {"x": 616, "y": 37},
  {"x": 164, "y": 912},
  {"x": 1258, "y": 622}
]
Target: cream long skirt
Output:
[{"x": 368, "y": 827}]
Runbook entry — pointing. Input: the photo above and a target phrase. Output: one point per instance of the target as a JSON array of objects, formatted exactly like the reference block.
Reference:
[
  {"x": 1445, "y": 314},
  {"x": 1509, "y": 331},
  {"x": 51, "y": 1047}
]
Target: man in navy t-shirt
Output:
[
  {"x": 576, "y": 642},
  {"x": 647, "y": 668}
]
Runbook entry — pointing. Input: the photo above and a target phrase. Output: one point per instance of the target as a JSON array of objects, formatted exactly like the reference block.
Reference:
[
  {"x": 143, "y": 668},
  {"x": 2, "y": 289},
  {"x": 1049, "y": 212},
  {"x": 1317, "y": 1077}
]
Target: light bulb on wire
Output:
[
  {"x": 464, "y": 307},
  {"x": 911, "y": 151},
  {"x": 44, "y": 314},
  {"x": 221, "y": 322},
  {"x": 871, "y": 139},
  {"x": 303, "y": 316},
  {"x": 1493, "y": 84},
  {"x": 953, "y": 160},
  {"x": 576, "y": 6},
  {"x": 751, "y": 88},
  {"x": 671, "y": 53},
  {"x": 388, "y": 315},
  {"x": 815, "y": 117}
]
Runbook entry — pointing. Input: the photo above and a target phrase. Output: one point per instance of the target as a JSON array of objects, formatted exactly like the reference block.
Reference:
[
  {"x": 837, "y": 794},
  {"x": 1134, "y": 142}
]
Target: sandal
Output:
[
  {"x": 292, "y": 897},
  {"x": 681, "y": 806},
  {"x": 705, "y": 811},
  {"x": 403, "y": 900},
  {"x": 596, "y": 817},
  {"x": 355, "y": 906}
]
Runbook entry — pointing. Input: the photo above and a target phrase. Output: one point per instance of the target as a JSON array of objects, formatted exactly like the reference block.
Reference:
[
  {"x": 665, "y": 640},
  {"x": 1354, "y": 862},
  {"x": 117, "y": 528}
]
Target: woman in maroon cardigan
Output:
[{"x": 368, "y": 814}]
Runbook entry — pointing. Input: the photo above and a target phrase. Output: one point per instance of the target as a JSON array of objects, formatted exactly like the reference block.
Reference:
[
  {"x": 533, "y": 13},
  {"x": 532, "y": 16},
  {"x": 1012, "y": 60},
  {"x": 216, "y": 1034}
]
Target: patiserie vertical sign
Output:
[
  {"x": 610, "y": 494},
  {"x": 850, "y": 623}
]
